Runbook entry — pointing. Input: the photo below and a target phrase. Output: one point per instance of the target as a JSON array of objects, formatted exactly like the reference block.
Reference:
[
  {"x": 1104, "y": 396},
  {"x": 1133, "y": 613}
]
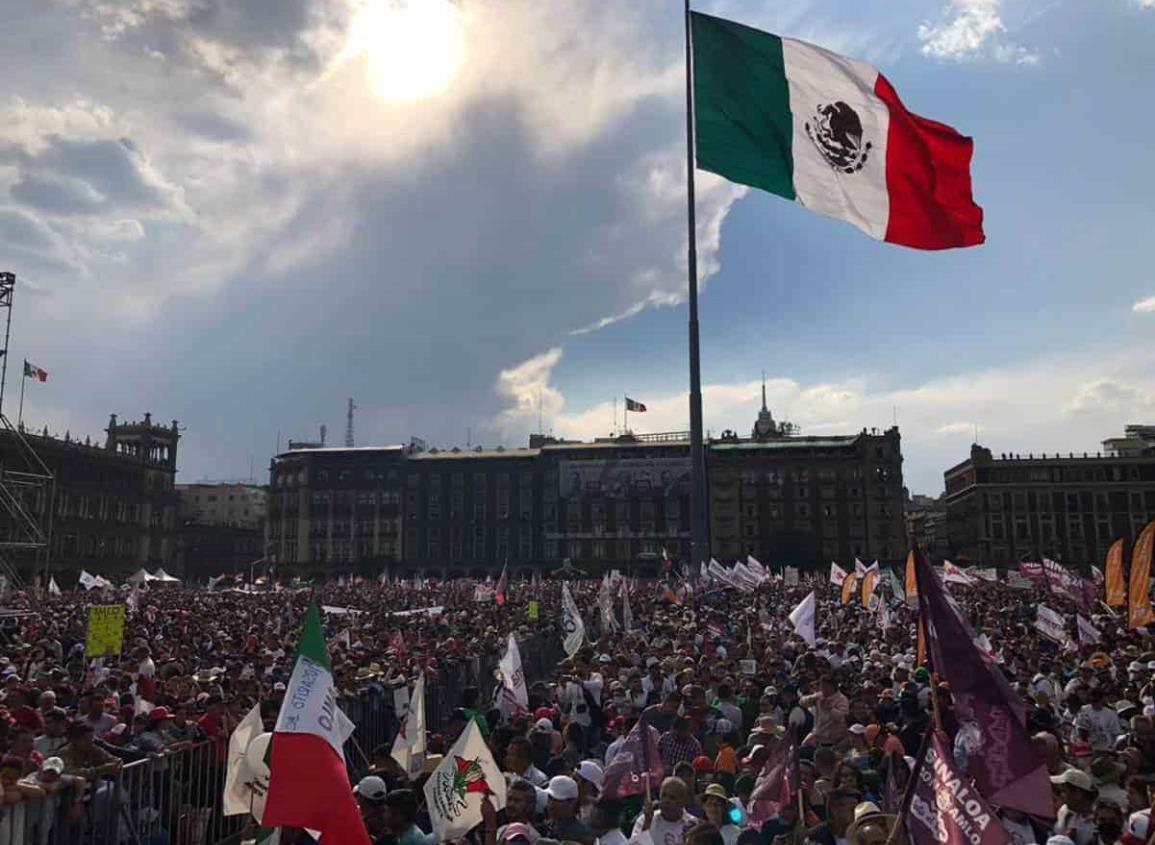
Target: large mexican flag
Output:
[
  {"x": 308, "y": 784},
  {"x": 831, "y": 133}
]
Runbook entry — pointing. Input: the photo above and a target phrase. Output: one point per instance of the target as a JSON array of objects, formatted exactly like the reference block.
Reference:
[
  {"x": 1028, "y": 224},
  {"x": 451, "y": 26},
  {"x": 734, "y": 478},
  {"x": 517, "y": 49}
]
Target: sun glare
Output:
[{"x": 412, "y": 48}]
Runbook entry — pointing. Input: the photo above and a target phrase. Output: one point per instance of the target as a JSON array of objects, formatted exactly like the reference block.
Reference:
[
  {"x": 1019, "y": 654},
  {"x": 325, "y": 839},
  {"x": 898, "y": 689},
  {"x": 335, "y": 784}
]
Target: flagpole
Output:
[
  {"x": 626, "y": 414},
  {"x": 23, "y": 379},
  {"x": 699, "y": 527}
]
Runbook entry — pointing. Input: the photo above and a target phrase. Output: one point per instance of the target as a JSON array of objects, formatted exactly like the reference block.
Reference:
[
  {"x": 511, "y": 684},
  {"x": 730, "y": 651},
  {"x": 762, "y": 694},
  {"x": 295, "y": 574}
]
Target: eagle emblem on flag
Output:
[{"x": 837, "y": 133}]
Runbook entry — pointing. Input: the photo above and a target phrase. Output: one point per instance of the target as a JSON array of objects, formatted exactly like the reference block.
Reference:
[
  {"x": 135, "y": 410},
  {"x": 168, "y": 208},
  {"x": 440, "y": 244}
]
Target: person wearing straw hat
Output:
[
  {"x": 871, "y": 826},
  {"x": 719, "y": 810}
]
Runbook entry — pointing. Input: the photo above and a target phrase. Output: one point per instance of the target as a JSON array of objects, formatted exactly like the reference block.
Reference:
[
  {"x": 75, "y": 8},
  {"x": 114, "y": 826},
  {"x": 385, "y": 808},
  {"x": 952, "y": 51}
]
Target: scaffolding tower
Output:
[{"x": 27, "y": 485}]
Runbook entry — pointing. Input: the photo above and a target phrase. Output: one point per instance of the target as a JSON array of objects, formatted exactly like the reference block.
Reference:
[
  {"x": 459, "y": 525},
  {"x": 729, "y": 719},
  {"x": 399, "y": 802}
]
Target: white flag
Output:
[
  {"x": 514, "y": 695},
  {"x": 802, "y": 618},
  {"x": 951, "y": 574},
  {"x": 454, "y": 791},
  {"x": 883, "y": 616},
  {"x": 88, "y": 581},
  {"x": 1050, "y": 624},
  {"x": 703, "y": 573},
  {"x": 1088, "y": 633},
  {"x": 240, "y": 796},
  {"x": 606, "y": 606},
  {"x": 409, "y": 746},
  {"x": 571, "y": 623},
  {"x": 627, "y": 611},
  {"x": 790, "y": 576},
  {"x": 53, "y": 588},
  {"x": 837, "y": 574}
]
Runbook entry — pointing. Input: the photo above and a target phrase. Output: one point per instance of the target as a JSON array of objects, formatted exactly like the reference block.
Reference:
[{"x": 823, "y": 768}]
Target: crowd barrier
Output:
[{"x": 175, "y": 799}]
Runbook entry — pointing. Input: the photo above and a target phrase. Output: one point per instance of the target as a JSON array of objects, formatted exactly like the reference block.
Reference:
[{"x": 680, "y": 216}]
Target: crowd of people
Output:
[{"x": 717, "y": 674}]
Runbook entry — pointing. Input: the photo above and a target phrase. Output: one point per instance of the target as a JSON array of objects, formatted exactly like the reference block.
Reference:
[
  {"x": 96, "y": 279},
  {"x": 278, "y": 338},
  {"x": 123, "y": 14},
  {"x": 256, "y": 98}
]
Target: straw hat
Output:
[{"x": 868, "y": 813}]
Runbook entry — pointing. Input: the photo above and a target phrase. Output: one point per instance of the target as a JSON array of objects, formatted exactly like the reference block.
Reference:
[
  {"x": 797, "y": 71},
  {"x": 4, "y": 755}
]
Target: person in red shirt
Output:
[
  {"x": 21, "y": 748},
  {"x": 21, "y": 713},
  {"x": 215, "y": 724}
]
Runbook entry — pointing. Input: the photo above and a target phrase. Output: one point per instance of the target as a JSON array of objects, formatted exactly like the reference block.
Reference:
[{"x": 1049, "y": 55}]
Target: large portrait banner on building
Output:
[{"x": 622, "y": 479}]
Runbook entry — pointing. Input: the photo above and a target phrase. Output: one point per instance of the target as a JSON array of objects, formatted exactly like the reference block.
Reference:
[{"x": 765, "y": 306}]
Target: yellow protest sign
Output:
[
  {"x": 533, "y": 611},
  {"x": 105, "y": 630}
]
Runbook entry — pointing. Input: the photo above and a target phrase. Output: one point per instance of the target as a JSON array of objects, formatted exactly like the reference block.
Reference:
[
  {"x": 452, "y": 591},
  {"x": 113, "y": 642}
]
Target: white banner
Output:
[
  {"x": 802, "y": 618},
  {"x": 572, "y": 625}
]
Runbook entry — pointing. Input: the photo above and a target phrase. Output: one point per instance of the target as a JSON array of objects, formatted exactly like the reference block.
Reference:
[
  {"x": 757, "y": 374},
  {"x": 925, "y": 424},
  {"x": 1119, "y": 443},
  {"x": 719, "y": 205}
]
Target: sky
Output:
[{"x": 466, "y": 214}]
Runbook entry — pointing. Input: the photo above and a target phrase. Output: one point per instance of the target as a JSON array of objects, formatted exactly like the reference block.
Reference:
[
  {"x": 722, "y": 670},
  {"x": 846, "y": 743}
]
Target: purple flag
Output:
[
  {"x": 1031, "y": 569},
  {"x": 777, "y": 782},
  {"x": 944, "y": 808},
  {"x": 1006, "y": 767},
  {"x": 1063, "y": 582},
  {"x": 626, "y": 773}
]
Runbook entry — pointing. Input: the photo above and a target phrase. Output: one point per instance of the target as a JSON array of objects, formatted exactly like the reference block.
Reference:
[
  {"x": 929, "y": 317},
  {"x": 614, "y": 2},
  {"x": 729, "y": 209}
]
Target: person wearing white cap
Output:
[
  {"x": 370, "y": 793},
  {"x": 57, "y": 787},
  {"x": 589, "y": 777},
  {"x": 562, "y": 822},
  {"x": 1076, "y": 818}
]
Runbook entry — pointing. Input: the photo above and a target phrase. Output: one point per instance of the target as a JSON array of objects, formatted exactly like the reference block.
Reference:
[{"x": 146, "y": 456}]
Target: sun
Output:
[{"x": 412, "y": 49}]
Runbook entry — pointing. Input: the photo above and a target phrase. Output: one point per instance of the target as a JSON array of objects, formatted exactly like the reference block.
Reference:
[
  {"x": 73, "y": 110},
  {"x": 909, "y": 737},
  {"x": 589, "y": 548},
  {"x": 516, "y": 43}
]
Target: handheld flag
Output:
[
  {"x": 53, "y": 587},
  {"x": 635, "y": 758},
  {"x": 911, "y": 581},
  {"x": 802, "y": 618},
  {"x": 240, "y": 795},
  {"x": 409, "y": 745},
  {"x": 831, "y": 133},
  {"x": 1140, "y": 612},
  {"x": 454, "y": 791},
  {"x": 944, "y": 808},
  {"x": 837, "y": 575},
  {"x": 308, "y": 783},
  {"x": 514, "y": 695},
  {"x": 1116, "y": 587},
  {"x": 573, "y": 628},
  {"x": 1006, "y": 767},
  {"x": 869, "y": 579},
  {"x": 776, "y": 783},
  {"x": 499, "y": 593}
]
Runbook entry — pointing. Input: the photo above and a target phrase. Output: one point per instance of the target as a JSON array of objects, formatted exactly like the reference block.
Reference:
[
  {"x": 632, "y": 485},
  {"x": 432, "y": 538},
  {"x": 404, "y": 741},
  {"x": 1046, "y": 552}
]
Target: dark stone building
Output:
[
  {"x": 337, "y": 509},
  {"x": 611, "y": 503},
  {"x": 1069, "y": 508},
  {"x": 109, "y": 509}
]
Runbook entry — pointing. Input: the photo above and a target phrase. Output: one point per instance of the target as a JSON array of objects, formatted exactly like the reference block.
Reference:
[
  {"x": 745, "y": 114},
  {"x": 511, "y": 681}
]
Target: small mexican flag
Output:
[
  {"x": 634, "y": 407},
  {"x": 830, "y": 132},
  {"x": 33, "y": 371},
  {"x": 308, "y": 783}
]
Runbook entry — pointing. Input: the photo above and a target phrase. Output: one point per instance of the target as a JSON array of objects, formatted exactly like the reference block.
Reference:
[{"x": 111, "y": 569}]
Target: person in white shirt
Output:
[
  {"x": 1076, "y": 818},
  {"x": 1100, "y": 721},
  {"x": 670, "y": 822}
]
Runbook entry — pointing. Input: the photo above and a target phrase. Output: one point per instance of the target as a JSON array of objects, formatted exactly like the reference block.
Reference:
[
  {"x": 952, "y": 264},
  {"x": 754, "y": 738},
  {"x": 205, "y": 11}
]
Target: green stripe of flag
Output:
[
  {"x": 742, "y": 105},
  {"x": 312, "y": 642}
]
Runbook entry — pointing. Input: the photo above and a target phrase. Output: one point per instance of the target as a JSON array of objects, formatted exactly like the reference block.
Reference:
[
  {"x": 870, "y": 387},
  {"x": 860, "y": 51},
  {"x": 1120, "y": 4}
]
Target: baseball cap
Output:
[
  {"x": 52, "y": 764},
  {"x": 519, "y": 830},
  {"x": 371, "y": 788},
  {"x": 590, "y": 771},
  {"x": 1076, "y": 778},
  {"x": 543, "y": 725},
  {"x": 158, "y": 714},
  {"x": 562, "y": 788},
  {"x": 857, "y": 729}
]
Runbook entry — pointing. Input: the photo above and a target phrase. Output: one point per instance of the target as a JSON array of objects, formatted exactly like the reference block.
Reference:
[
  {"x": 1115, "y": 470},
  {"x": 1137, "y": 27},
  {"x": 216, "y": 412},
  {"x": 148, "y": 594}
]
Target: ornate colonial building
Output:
[
  {"x": 109, "y": 508},
  {"x": 611, "y": 503},
  {"x": 1070, "y": 508}
]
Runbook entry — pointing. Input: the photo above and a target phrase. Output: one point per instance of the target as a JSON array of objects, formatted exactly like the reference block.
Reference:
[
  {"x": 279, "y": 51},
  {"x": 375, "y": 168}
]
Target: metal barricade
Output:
[{"x": 175, "y": 798}]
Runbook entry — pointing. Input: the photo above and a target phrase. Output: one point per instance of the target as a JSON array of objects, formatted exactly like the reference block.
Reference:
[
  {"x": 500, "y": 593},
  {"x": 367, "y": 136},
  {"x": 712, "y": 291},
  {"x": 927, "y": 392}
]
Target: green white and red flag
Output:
[
  {"x": 34, "y": 372},
  {"x": 308, "y": 783},
  {"x": 830, "y": 133},
  {"x": 634, "y": 406}
]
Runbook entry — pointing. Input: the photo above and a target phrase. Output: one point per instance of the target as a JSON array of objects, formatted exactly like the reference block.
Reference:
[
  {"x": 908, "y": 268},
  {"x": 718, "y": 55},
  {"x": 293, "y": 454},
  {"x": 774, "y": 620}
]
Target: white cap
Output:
[
  {"x": 562, "y": 788},
  {"x": 857, "y": 729},
  {"x": 543, "y": 725},
  {"x": 590, "y": 771},
  {"x": 371, "y": 788},
  {"x": 52, "y": 764}
]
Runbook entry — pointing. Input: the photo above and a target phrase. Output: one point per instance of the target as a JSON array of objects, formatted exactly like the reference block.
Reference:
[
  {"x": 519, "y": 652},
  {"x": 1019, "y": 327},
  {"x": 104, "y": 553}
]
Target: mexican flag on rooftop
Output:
[
  {"x": 830, "y": 133},
  {"x": 308, "y": 783}
]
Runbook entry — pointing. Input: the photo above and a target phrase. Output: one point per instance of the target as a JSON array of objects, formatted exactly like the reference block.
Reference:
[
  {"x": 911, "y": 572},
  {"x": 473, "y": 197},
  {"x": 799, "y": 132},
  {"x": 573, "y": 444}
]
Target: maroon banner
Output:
[
  {"x": 638, "y": 756},
  {"x": 1031, "y": 569},
  {"x": 777, "y": 782},
  {"x": 1006, "y": 767},
  {"x": 1063, "y": 582},
  {"x": 944, "y": 808}
]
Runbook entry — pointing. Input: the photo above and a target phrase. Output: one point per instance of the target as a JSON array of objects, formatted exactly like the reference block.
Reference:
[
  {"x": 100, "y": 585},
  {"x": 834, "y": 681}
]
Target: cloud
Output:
[
  {"x": 526, "y": 387},
  {"x": 1145, "y": 306},
  {"x": 1066, "y": 404},
  {"x": 972, "y": 29}
]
